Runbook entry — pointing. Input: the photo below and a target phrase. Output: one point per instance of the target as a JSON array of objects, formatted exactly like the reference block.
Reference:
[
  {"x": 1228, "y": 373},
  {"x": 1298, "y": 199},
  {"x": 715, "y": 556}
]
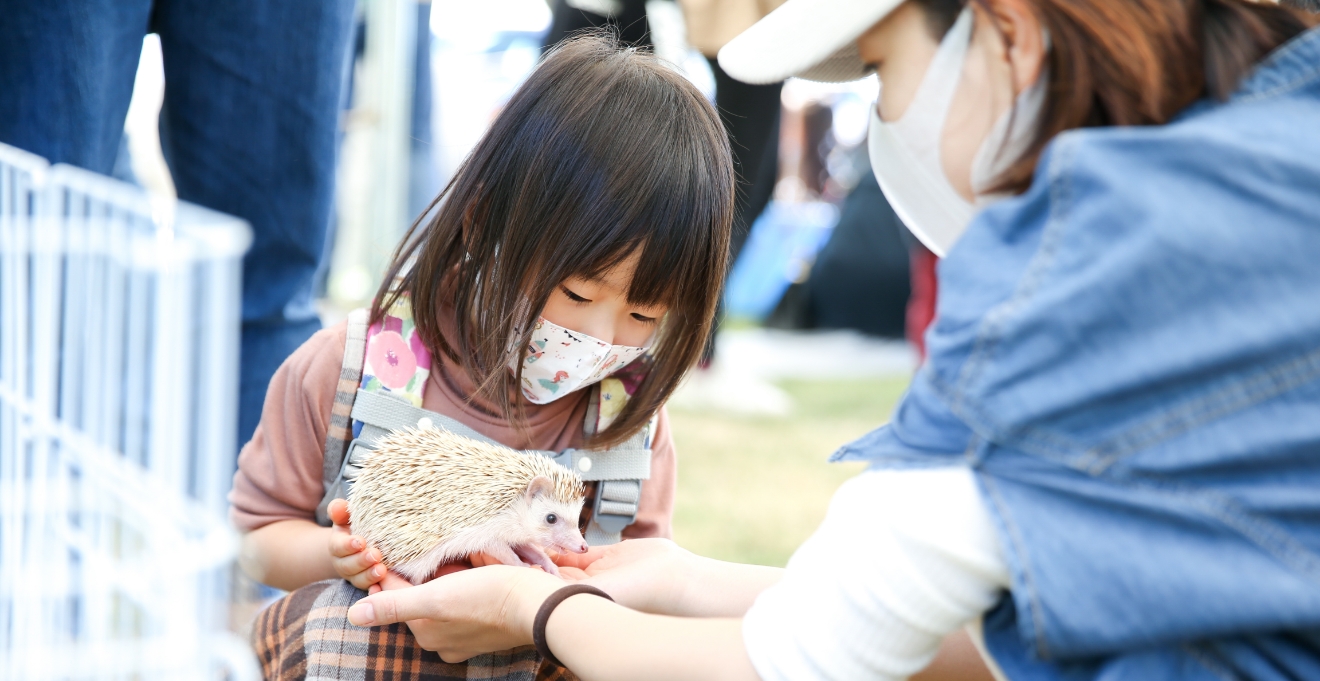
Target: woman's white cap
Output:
[{"x": 811, "y": 39}]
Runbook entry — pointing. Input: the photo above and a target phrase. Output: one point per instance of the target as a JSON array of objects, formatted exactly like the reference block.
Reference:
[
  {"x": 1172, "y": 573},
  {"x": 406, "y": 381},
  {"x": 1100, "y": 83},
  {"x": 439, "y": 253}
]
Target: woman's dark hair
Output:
[
  {"x": 604, "y": 152},
  {"x": 1138, "y": 62}
]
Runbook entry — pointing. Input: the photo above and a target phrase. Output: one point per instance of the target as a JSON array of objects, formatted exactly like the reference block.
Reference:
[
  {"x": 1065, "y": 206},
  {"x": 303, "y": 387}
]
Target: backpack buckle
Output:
[{"x": 615, "y": 506}]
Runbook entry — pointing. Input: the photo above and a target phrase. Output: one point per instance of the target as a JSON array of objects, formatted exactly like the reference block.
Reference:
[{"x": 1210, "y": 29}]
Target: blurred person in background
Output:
[
  {"x": 860, "y": 278},
  {"x": 1107, "y": 466},
  {"x": 248, "y": 127}
]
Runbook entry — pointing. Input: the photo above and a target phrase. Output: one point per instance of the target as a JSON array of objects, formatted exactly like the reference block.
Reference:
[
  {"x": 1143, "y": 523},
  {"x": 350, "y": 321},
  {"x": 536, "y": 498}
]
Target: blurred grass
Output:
[{"x": 751, "y": 489}]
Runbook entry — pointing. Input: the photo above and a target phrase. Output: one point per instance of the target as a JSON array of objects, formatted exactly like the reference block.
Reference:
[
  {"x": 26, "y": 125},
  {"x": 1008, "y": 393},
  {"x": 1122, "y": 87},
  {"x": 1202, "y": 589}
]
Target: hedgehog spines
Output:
[{"x": 420, "y": 488}]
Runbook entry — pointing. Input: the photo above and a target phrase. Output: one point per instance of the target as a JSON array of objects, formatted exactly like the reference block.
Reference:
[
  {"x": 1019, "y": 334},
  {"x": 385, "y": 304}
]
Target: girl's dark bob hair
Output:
[{"x": 604, "y": 152}]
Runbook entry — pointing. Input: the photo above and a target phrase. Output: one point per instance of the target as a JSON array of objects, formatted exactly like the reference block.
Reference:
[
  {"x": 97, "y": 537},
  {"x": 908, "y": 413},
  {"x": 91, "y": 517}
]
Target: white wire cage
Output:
[{"x": 119, "y": 336}]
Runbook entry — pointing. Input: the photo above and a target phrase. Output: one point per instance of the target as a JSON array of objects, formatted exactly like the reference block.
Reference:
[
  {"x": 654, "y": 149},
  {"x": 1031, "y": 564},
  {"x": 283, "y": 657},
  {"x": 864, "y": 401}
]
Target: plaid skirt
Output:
[{"x": 307, "y": 635}]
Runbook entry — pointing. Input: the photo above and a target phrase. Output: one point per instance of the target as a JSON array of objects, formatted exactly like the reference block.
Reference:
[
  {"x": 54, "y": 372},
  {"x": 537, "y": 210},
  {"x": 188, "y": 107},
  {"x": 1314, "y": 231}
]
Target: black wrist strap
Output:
[{"x": 543, "y": 615}]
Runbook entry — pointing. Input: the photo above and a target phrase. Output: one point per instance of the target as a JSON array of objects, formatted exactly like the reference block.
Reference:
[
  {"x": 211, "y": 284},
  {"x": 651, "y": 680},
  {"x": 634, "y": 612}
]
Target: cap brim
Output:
[{"x": 811, "y": 39}]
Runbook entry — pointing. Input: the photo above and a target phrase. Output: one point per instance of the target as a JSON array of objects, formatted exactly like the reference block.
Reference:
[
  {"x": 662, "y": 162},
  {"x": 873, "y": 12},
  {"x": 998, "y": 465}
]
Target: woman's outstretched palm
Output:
[{"x": 643, "y": 574}]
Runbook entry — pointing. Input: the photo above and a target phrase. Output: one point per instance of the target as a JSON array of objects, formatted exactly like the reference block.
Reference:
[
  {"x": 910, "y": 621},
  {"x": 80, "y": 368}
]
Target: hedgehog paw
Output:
[
  {"x": 505, "y": 554},
  {"x": 533, "y": 555}
]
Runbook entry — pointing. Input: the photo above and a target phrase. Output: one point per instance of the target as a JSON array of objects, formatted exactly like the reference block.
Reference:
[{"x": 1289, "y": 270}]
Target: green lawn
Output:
[{"x": 752, "y": 489}]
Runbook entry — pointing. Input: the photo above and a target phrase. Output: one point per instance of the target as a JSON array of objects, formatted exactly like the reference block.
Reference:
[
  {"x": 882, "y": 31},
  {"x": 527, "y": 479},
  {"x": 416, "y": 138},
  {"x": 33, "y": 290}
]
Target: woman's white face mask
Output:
[{"x": 905, "y": 154}]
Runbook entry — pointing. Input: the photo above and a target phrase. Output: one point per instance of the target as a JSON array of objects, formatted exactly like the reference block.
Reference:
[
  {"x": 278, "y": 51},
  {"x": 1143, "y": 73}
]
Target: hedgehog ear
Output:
[{"x": 540, "y": 485}]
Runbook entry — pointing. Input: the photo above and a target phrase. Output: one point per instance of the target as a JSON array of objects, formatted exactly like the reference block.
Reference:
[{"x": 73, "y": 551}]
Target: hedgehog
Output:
[{"x": 429, "y": 497}]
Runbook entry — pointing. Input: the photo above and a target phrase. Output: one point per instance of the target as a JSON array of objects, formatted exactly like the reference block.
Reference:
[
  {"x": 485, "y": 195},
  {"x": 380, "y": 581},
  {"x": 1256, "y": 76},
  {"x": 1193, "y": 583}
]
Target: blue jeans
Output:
[{"x": 252, "y": 100}]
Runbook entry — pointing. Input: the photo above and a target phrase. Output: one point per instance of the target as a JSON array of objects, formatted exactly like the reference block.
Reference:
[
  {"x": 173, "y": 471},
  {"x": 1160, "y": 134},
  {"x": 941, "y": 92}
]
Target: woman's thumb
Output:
[{"x": 384, "y": 607}]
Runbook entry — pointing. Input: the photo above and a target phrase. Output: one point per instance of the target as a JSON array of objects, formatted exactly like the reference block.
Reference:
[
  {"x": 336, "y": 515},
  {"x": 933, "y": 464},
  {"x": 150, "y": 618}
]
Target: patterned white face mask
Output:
[{"x": 559, "y": 361}]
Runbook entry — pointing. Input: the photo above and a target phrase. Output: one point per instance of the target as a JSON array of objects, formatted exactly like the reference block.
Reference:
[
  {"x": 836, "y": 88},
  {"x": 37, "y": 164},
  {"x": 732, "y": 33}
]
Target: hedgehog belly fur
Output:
[
  {"x": 427, "y": 497},
  {"x": 467, "y": 542}
]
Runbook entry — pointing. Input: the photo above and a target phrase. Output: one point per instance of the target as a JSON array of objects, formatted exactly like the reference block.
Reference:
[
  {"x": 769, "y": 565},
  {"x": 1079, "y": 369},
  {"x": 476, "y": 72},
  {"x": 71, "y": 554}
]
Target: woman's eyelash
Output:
[
  {"x": 643, "y": 318},
  {"x": 573, "y": 296}
]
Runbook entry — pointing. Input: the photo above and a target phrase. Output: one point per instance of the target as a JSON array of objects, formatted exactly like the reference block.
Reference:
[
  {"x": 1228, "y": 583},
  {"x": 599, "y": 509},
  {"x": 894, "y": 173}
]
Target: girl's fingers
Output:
[
  {"x": 343, "y": 544},
  {"x": 482, "y": 560},
  {"x": 338, "y": 512},
  {"x": 359, "y": 562},
  {"x": 391, "y": 582},
  {"x": 366, "y": 578},
  {"x": 451, "y": 568}
]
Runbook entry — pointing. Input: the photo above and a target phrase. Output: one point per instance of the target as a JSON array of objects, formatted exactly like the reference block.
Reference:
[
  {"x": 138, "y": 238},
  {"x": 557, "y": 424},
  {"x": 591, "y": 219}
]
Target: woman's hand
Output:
[
  {"x": 650, "y": 575},
  {"x": 349, "y": 554},
  {"x": 464, "y": 613},
  {"x": 657, "y": 576}
]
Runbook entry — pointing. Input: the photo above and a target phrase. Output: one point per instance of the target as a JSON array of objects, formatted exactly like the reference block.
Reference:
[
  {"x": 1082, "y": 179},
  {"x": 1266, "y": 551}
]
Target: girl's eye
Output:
[
  {"x": 643, "y": 318},
  {"x": 551, "y": 519},
  {"x": 573, "y": 296}
]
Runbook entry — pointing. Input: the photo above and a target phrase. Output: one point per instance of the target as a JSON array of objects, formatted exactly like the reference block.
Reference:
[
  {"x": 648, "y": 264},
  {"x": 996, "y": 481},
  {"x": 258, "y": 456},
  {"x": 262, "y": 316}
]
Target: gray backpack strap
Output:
[
  {"x": 340, "y": 433},
  {"x": 618, "y": 472},
  {"x": 384, "y": 413}
]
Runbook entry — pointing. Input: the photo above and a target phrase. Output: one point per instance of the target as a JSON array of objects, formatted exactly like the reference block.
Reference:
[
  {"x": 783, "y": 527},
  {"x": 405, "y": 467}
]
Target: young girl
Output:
[{"x": 595, "y": 211}]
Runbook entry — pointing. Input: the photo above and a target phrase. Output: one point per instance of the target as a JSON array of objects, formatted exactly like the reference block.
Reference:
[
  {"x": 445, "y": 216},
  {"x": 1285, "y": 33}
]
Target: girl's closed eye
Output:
[
  {"x": 573, "y": 296},
  {"x": 643, "y": 318}
]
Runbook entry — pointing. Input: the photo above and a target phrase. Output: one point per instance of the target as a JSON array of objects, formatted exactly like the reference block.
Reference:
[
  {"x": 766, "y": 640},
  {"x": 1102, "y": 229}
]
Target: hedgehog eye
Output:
[{"x": 551, "y": 519}]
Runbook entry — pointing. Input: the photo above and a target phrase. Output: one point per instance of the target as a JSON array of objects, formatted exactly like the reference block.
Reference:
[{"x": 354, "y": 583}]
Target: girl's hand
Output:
[
  {"x": 650, "y": 575},
  {"x": 462, "y": 614},
  {"x": 349, "y": 554}
]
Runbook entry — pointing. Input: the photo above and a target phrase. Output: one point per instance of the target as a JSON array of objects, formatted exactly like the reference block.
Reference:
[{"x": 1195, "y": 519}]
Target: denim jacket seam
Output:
[
  {"x": 1208, "y": 663},
  {"x": 1275, "y": 60},
  {"x": 1035, "y": 615},
  {"x": 1261, "y": 385},
  {"x": 969, "y": 453},
  {"x": 1049, "y": 444},
  {"x": 1265, "y": 534},
  {"x": 991, "y": 331},
  {"x": 1033, "y": 440}
]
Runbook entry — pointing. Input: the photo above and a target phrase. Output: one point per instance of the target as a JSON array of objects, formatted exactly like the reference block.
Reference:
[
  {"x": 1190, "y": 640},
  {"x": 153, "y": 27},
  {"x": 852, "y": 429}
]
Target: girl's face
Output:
[
  {"x": 599, "y": 307},
  {"x": 1006, "y": 56}
]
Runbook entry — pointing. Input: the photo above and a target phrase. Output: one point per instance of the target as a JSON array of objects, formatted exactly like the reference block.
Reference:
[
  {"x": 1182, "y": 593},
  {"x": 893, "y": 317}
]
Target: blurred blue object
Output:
[
  {"x": 780, "y": 250},
  {"x": 248, "y": 126}
]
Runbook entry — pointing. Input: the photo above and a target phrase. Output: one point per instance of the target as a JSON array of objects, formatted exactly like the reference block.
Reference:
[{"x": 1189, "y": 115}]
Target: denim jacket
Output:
[{"x": 1128, "y": 358}]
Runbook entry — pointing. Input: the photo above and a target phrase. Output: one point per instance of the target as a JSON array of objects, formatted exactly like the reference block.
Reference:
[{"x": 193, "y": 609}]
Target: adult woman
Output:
[{"x": 1108, "y": 460}]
